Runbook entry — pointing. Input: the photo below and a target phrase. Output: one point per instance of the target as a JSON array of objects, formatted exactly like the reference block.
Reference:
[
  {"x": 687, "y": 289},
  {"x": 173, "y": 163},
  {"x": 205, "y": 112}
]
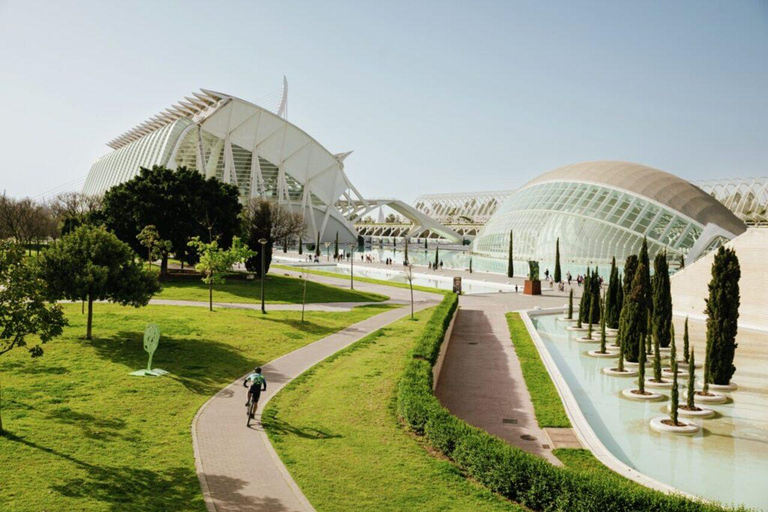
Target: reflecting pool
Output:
[{"x": 727, "y": 461}]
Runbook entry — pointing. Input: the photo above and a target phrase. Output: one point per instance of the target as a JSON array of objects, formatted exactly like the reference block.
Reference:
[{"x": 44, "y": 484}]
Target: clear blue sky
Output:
[{"x": 432, "y": 96}]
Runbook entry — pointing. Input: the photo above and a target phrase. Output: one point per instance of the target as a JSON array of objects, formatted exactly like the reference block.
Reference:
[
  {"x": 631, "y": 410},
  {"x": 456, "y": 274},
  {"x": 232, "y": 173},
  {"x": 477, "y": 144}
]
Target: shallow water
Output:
[{"x": 727, "y": 461}]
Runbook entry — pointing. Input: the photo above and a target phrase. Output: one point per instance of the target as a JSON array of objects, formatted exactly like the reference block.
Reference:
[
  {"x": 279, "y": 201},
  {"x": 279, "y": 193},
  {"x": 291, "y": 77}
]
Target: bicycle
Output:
[{"x": 251, "y": 407}]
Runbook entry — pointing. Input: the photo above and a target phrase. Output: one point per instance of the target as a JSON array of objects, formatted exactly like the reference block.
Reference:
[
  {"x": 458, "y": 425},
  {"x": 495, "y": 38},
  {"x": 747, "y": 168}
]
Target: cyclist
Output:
[{"x": 257, "y": 384}]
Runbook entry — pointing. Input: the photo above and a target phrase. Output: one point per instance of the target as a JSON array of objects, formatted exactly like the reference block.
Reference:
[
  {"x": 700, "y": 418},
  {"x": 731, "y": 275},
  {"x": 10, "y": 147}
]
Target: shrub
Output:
[{"x": 499, "y": 466}]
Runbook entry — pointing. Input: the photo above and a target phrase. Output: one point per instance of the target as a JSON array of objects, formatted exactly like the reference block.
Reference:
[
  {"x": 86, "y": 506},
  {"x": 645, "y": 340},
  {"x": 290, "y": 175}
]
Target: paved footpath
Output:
[{"x": 237, "y": 466}]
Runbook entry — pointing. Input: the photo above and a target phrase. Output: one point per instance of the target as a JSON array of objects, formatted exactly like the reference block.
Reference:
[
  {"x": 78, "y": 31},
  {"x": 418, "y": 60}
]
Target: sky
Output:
[{"x": 432, "y": 96}]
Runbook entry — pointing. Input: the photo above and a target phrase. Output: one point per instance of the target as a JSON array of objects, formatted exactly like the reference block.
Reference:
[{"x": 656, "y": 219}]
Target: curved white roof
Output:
[{"x": 654, "y": 184}]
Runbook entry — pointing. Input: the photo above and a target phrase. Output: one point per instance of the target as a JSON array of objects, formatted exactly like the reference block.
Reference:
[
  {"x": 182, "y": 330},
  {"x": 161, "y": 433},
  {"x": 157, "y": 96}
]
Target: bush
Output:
[{"x": 499, "y": 466}]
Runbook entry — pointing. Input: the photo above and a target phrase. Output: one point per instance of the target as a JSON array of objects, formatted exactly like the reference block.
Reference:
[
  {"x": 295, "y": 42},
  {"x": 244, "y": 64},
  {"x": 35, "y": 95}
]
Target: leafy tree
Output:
[
  {"x": 558, "y": 275},
  {"x": 685, "y": 342},
  {"x": 633, "y": 325},
  {"x": 215, "y": 261},
  {"x": 156, "y": 247},
  {"x": 510, "y": 257},
  {"x": 570, "y": 304},
  {"x": 268, "y": 220},
  {"x": 181, "y": 204},
  {"x": 91, "y": 264},
  {"x": 662, "y": 301},
  {"x": 24, "y": 310},
  {"x": 722, "y": 312},
  {"x": 73, "y": 209}
]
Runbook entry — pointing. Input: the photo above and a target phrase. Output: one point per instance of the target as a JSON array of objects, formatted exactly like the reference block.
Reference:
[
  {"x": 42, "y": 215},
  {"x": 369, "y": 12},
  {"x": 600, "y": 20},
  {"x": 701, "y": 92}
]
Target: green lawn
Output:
[
  {"x": 278, "y": 289},
  {"x": 335, "y": 427},
  {"x": 365, "y": 279},
  {"x": 85, "y": 435},
  {"x": 546, "y": 401}
]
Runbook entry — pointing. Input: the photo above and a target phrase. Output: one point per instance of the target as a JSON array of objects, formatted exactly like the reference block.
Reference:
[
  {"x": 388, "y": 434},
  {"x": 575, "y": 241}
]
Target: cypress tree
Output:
[
  {"x": 317, "y": 245},
  {"x": 685, "y": 343},
  {"x": 406, "y": 248},
  {"x": 470, "y": 265},
  {"x": 641, "y": 366},
  {"x": 662, "y": 301},
  {"x": 602, "y": 328},
  {"x": 632, "y": 326},
  {"x": 621, "y": 358},
  {"x": 589, "y": 324},
  {"x": 557, "y": 261},
  {"x": 722, "y": 312},
  {"x": 336, "y": 247},
  {"x": 570, "y": 304},
  {"x": 426, "y": 246},
  {"x": 510, "y": 258},
  {"x": 682, "y": 261},
  {"x": 585, "y": 298},
  {"x": 619, "y": 301},
  {"x": 594, "y": 289},
  {"x": 646, "y": 275},
  {"x": 675, "y": 397},
  {"x": 612, "y": 308},
  {"x": 437, "y": 256},
  {"x": 691, "y": 405},
  {"x": 656, "y": 360},
  {"x": 630, "y": 269},
  {"x": 301, "y": 246}
]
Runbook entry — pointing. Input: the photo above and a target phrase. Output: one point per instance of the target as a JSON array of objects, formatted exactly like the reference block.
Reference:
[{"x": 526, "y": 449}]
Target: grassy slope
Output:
[
  {"x": 85, "y": 435},
  {"x": 277, "y": 290},
  {"x": 366, "y": 280},
  {"x": 335, "y": 428},
  {"x": 582, "y": 461},
  {"x": 546, "y": 401}
]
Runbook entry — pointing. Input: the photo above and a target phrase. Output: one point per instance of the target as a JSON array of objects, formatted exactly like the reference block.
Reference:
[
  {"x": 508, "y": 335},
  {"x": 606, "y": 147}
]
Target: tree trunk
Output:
[
  {"x": 164, "y": 265},
  {"x": 411, "y": 300},
  {"x": 89, "y": 332}
]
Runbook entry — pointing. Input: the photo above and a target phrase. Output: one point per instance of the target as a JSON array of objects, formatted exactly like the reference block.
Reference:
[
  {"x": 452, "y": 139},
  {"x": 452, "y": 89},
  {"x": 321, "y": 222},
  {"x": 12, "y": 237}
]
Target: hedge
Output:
[{"x": 501, "y": 467}]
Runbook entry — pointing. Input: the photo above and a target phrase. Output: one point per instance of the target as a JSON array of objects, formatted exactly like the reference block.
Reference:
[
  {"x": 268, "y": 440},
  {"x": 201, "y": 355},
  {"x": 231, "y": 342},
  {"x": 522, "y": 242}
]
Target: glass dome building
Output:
[{"x": 603, "y": 209}]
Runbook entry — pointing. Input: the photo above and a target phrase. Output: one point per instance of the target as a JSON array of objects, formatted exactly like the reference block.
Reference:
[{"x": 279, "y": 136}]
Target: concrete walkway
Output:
[
  {"x": 482, "y": 382},
  {"x": 237, "y": 466}
]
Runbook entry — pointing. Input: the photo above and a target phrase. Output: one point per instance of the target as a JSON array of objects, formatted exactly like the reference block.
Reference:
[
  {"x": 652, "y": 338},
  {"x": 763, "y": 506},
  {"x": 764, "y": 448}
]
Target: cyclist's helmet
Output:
[{"x": 257, "y": 370}]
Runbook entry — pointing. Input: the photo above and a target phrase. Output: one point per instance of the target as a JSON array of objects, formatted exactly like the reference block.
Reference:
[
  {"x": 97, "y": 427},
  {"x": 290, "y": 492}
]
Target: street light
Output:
[
  {"x": 352, "y": 266},
  {"x": 327, "y": 251},
  {"x": 263, "y": 242}
]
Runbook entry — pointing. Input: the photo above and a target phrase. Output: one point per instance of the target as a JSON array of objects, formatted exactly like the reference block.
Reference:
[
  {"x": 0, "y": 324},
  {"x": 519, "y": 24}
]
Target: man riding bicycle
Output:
[{"x": 257, "y": 384}]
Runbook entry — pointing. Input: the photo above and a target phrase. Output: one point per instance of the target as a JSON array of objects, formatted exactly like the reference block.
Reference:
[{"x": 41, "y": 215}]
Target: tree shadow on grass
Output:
[
  {"x": 202, "y": 366},
  {"x": 279, "y": 427}
]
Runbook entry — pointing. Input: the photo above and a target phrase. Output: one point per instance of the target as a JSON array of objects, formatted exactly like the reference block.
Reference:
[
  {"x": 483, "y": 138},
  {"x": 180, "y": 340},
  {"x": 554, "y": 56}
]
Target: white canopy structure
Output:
[{"x": 240, "y": 143}]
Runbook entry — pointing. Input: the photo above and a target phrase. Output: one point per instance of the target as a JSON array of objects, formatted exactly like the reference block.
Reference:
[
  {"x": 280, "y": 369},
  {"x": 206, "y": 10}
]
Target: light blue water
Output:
[{"x": 726, "y": 462}]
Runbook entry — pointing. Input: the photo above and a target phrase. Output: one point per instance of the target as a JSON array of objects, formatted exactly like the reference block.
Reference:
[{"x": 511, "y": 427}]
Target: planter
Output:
[
  {"x": 667, "y": 372},
  {"x": 682, "y": 364},
  {"x": 701, "y": 413},
  {"x": 608, "y": 330},
  {"x": 564, "y": 319},
  {"x": 665, "y": 350},
  {"x": 713, "y": 398},
  {"x": 611, "y": 335},
  {"x": 685, "y": 427},
  {"x": 614, "y": 372},
  {"x": 532, "y": 287},
  {"x": 664, "y": 384},
  {"x": 608, "y": 353},
  {"x": 731, "y": 386},
  {"x": 577, "y": 329},
  {"x": 587, "y": 339},
  {"x": 650, "y": 396},
  {"x": 637, "y": 365}
]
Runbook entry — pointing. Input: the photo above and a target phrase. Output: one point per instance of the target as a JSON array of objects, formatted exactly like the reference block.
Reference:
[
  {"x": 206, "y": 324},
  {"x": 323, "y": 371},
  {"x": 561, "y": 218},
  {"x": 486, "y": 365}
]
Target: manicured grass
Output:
[
  {"x": 278, "y": 289},
  {"x": 83, "y": 434},
  {"x": 427, "y": 289},
  {"x": 335, "y": 427},
  {"x": 546, "y": 401},
  {"x": 583, "y": 462}
]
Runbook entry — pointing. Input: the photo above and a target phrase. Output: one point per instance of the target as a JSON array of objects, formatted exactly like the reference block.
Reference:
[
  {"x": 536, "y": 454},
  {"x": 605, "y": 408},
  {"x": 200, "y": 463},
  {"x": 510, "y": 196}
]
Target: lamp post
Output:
[
  {"x": 263, "y": 242},
  {"x": 351, "y": 266},
  {"x": 327, "y": 251}
]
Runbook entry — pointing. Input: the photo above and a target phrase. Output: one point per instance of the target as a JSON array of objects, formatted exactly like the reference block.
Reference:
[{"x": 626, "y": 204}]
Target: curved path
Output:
[{"x": 237, "y": 466}]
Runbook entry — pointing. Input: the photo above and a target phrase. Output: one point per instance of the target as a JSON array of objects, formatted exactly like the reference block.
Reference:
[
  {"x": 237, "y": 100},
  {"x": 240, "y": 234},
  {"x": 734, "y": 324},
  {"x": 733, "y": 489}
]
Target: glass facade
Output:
[{"x": 593, "y": 222}]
